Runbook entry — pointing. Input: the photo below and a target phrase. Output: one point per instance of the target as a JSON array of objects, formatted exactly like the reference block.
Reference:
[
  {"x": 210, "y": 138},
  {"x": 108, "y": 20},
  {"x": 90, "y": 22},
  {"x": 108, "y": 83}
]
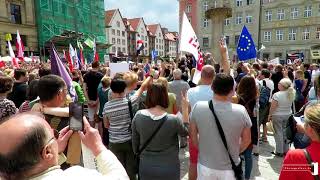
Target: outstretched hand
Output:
[{"x": 222, "y": 46}]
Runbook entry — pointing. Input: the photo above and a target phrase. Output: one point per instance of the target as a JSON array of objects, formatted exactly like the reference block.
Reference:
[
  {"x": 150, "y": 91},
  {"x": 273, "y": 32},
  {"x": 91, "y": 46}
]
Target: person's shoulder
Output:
[
  {"x": 238, "y": 107},
  {"x": 296, "y": 156}
]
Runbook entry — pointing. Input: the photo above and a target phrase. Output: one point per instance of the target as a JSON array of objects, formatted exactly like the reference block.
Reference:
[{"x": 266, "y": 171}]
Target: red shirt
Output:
[{"x": 296, "y": 159}]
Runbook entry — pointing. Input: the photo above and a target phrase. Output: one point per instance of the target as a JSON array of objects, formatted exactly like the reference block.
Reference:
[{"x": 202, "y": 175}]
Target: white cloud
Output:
[{"x": 164, "y": 12}]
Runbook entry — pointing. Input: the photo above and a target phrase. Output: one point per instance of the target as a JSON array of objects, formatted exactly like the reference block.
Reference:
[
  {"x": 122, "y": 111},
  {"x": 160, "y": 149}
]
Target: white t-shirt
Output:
[
  {"x": 284, "y": 104},
  {"x": 269, "y": 84}
]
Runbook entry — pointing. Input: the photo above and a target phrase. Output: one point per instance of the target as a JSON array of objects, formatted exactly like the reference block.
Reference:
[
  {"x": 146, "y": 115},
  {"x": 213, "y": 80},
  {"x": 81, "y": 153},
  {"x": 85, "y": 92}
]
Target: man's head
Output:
[
  {"x": 207, "y": 74},
  {"x": 43, "y": 71},
  {"x": 223, "y": 85},
  {"x": 52, "y": 90},
  {"x": 265, "y": 73},
  {"x": 177, "y": 74},
  {"x": 95, "y": 65},
  {"x": 118, "y": 84},
  {"x": 32, "y": 147},
  {"x": 21, "y": 75}
]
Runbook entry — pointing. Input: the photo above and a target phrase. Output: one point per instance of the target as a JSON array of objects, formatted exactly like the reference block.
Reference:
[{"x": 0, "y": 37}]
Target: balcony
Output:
[{"x": 219, "y": 8}]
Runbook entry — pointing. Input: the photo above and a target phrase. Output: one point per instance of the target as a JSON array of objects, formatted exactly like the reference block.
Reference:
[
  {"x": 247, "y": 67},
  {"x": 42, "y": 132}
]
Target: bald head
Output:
[
  {"x": 21, "y": 140},
  {"x": 208, "y": 73}
]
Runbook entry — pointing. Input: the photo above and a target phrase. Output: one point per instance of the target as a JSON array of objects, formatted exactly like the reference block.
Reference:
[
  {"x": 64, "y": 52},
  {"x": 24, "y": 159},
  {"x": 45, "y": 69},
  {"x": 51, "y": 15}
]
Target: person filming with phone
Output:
[{"x": 34, "y": 148}]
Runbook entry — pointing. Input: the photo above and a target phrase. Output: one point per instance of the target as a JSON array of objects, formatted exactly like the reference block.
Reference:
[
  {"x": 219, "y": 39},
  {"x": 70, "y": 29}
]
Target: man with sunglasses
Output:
[{"x": 33, "y": 151}]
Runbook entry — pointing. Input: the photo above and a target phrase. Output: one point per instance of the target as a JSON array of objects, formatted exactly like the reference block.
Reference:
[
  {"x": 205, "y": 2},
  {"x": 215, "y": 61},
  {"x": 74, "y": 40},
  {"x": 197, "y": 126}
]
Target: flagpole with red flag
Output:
[
  {"x": 14, "y": 60},
  {"x": 67, "y": 57},
  {"x": 19, "y": 47},
  {"x": 96, "y": 55}
]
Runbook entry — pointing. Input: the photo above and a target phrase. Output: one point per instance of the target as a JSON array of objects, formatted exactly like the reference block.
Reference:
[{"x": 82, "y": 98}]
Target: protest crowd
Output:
[{"x": 102, "y": 121}]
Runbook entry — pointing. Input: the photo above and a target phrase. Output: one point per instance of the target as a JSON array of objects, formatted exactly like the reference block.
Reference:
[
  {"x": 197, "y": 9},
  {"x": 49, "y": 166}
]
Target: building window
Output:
[
  {"x": 119, "y": 49},
  {"x": 205, "y": 42},
  {"x": 188, "y": 10},
  {"x": 294, "y": 13},
  {"x": 292, "y": 34},
  {"x": 239, "y": 18},
  {"x": 113, "y": 40},
  {"x": 118, "y": 41},
  {"x": 123, "y": 42},
  {"x": 113, "y": 32},
  {"x": 307, "y": 11},
  {"x": 281, "y": 14},
  {"x": 239, "y": 3},
  {"x": 267, "y": 36},
  {"x": 279, "y": 34},
  {"x": 249, "y": 19},
  {"x": 124, "y": 50},
  {"x": 146, "y": 38},
  {"x": 268, "y": 15},
  {"x": 227, "y": 38},
  {"x": 15, "y": 12},
  {"x": 118, "y": 23},
  {"x": 189, "y": 18},
  {"x": 236, "y": 39},
  {"x": 249, "y": 2},
  {"x": 306, "y": 34},
  {"x": 205, "y": 5},
  {"x": 205, "y": 23},
  {"x": 277, "y": 54},
  {"x": 123, "y": 33},
  {"x": 118, "y": 32},
  {"x": 318, "y": 33},
  {"x": 227, "y": 22},
  {"x": 113, "y": 49}
]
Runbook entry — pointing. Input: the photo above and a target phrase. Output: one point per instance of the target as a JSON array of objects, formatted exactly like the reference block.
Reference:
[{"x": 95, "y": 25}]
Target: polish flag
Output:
[
  {"x": 14, "y": 59},
  {"x": 19, "y": 47},
  {"x": 67, "y": 57},
  {"x": 189, "y": 43},
  {"x": 140, "y": 46}
]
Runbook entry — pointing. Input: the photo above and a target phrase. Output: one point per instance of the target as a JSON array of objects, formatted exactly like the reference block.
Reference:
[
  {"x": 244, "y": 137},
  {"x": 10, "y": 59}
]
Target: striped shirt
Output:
[{"x": 118, "y": 114}]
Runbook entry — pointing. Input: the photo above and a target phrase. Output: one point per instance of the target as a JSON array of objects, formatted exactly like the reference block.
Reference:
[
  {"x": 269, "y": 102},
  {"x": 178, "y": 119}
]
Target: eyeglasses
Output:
[{"x": 55, "y": 136}]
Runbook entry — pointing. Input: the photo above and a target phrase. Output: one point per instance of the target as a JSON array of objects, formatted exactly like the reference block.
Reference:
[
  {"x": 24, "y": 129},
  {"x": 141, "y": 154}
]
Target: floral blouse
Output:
[{"x": 7, "y": 109}]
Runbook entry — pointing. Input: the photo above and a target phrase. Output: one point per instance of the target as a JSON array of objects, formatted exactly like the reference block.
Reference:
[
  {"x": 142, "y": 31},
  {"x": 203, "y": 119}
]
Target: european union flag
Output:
[{"x": 246, "y": 48}]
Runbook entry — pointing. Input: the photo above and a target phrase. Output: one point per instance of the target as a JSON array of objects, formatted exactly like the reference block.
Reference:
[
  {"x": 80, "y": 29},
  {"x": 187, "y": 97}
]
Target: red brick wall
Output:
[{"x": 193, "y": 14}]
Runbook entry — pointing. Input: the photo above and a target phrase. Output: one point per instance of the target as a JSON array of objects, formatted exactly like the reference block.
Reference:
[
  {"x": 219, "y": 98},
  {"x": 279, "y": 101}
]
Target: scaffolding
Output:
[{"x": 84, "y": 17}]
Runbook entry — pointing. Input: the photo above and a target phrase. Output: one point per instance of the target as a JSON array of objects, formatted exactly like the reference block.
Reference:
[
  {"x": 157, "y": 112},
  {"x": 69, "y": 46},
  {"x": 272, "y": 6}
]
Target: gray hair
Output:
[{"x": 177, "y": 74}]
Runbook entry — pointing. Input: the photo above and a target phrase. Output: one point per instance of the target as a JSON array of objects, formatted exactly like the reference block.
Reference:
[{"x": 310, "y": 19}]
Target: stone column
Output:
[{"x": 218, "y": 12}]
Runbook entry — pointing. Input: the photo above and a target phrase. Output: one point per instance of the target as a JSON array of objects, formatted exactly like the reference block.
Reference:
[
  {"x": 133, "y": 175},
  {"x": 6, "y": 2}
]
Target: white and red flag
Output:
[
  {"x": 189, "y": 43},
  {"x": 140, "y": 45},
  {"x": 14, "y": 59},
  {"x": 19, "y": 47}
]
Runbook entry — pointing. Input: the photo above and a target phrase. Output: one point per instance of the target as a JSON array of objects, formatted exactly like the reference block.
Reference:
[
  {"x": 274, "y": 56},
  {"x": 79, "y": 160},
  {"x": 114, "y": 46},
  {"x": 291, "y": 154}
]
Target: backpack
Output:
[
  {"x": 264, "y": 95},
  {"x": 291, "y": 126}
]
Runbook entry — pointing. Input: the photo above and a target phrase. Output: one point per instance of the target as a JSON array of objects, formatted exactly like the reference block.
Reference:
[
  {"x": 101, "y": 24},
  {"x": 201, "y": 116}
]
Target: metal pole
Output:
[{"x": 259, "y": 28}]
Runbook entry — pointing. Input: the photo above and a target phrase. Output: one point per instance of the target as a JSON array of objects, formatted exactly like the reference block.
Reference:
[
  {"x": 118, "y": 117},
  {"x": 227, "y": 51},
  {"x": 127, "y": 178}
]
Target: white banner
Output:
[
  {"x": 118, "y": 68},
  {"x": 275, "y": 61}
]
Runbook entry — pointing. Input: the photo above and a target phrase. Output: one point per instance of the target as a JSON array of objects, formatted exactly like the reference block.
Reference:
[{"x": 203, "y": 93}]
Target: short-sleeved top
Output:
[
  {"x": 233, "y": 119},
  {"x": 284, "y": 104},
  {"x": 296, "y": 157},
  {"x": 7, "y": 109},
  {"x": 269, "y": 84},
  {"x": 199, "y": 93},
  {"x": 19, "y": 93},
  {"x": 118, "y": 114},
  {"x": 92, "y": 79},
  {"x": 172, "y": 101}
]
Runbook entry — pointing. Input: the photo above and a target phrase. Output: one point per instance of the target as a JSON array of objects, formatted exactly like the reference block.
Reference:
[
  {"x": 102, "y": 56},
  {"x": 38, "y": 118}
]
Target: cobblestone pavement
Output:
[{"x": 265, "y": 167}]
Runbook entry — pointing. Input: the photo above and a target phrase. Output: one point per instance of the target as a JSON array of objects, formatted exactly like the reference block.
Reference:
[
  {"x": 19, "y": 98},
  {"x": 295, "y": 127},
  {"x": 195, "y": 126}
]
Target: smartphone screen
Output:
[{"x": 76, "y": 115}]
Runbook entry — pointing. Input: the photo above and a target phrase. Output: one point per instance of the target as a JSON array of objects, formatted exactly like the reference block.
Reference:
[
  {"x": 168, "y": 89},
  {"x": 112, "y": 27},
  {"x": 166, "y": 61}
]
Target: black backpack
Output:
[
  {"x": 264, "y": 95},
  {"x": 291, "y": 126}
]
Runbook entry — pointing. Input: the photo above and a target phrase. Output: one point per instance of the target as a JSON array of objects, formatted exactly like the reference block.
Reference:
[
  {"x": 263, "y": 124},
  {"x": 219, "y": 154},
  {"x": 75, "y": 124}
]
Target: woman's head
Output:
[
  {"x": 157, "y": 95},
  {"x": 312, "y": 122},
  {"x": 131, "y": 80},
  {"x": 299, "y": 74},
  {"x": 106, "y": 81},
  {"x": 6, "y": 84},
  {"x": 286, "y": 85},
  {"x": 247, "y": 88},
  {"x": 163, "y": 81}
]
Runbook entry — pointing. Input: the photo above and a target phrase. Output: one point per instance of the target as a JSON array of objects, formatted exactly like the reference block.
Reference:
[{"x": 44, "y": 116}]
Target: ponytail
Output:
[{"x": 291, "y": 93}]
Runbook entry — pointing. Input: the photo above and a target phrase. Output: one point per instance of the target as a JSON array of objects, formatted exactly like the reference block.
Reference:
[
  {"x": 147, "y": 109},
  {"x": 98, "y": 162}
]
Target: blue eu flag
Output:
[{"x": 246, "y": 48}]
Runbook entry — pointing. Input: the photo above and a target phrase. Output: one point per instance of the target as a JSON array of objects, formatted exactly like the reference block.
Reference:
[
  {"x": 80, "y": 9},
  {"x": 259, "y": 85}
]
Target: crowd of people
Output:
[{"x": 135, "y": 122}]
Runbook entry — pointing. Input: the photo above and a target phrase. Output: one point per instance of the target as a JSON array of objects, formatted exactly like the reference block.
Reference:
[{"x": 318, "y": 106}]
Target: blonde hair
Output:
[
  {"x": 163, "y": 81},
  {"x": 130, "y": 78},
  {"x": 106, "y": 81},
  {"x": 312, "y": 117},
  {"x": 300, "y": 73},
  {"x": 287, "y": 85}
]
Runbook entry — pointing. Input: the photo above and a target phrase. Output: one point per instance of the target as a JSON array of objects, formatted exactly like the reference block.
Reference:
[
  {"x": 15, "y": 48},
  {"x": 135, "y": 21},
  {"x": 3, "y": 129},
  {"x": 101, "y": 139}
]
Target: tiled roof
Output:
[
  {"x": 153, "y": 28},
  {"x": 134, "y": 23},
  {"x": 171, "y": 37},
  {"x": 108, "y": 16}
]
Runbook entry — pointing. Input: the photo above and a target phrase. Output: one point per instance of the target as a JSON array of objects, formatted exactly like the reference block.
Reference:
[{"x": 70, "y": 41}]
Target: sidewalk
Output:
[{"x": 266, "y": 166}]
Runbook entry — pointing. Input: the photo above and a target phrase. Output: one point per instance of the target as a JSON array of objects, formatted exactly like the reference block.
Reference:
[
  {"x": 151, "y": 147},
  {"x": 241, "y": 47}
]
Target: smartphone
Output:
[{"x": 76, "y": 116}]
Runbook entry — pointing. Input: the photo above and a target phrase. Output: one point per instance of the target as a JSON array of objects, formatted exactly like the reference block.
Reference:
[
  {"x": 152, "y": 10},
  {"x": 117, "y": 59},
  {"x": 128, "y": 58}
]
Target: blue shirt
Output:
[{"x": 199, "y": 93}]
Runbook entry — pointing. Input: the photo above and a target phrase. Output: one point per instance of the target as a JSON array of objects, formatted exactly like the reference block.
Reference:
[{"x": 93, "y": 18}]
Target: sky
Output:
[{"x": 165, "y": 12}]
